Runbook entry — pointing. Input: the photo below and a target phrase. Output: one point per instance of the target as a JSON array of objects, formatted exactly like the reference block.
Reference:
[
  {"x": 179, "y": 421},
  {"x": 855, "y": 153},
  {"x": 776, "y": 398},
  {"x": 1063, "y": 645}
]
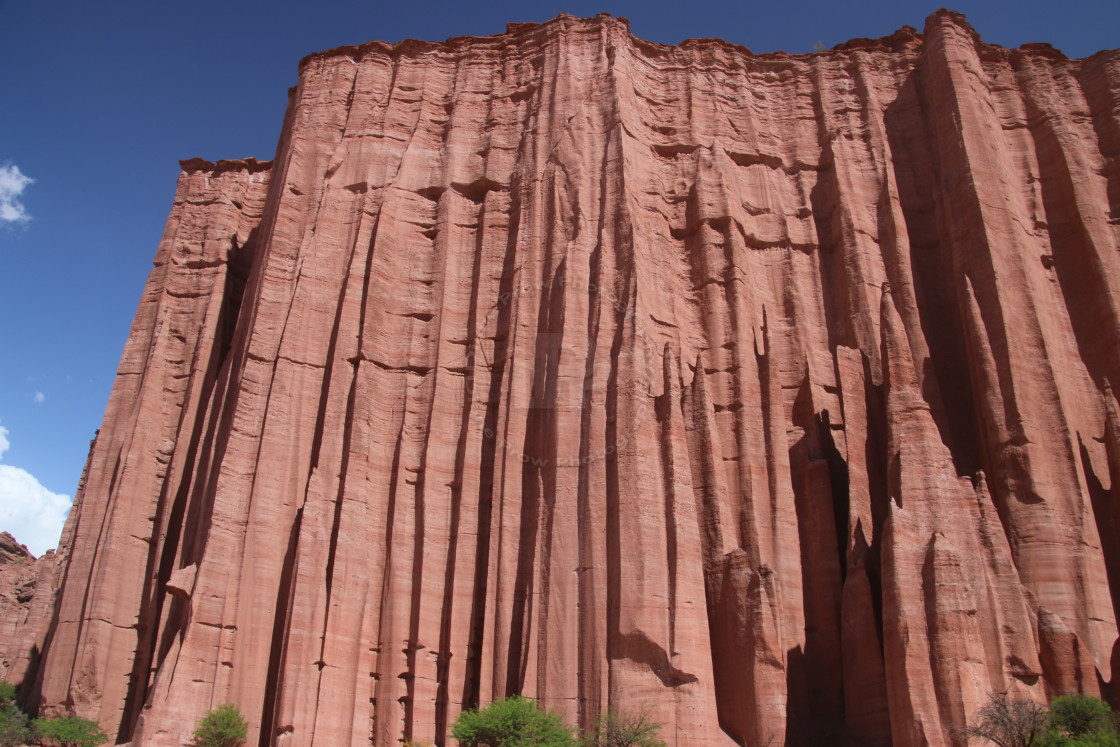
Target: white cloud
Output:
[
  {"x": 28, "y": 511},
  {"x": 12, "y": 184},
  {"x": 39, "y": 397}
]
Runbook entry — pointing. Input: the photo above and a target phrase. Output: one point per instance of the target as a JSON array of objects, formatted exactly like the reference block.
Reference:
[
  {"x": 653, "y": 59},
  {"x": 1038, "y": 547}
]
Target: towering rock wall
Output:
[{"x": 772, "y": 393}]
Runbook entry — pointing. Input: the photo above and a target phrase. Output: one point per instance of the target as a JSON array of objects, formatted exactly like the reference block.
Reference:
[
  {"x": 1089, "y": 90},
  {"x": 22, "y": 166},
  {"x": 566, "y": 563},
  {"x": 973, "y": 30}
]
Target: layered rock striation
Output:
[{"x": 770, "y": 392}]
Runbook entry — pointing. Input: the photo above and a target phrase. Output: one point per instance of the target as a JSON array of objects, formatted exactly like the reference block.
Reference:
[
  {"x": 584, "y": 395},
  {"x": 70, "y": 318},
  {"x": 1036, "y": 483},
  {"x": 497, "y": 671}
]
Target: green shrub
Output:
[
  {"x": 222, "y": 727},
  {"x": 15, "y": 726},
  {"x": 1070, "y": 721},
  {"x": 625, "y": 729},
  {"x": 70, "y": 731},
  {"x": 1081, "y": 721},
  {"x": 513, "y": 722}
]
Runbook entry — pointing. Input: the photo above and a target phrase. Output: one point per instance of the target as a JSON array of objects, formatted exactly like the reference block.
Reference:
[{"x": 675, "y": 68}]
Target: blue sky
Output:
[{"x": 100, "y": 100}]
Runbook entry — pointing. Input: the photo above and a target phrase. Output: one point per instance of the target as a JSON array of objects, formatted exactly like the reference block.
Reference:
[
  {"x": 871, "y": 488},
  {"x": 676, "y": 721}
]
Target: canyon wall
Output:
[
  {"x": 771, "y": 393},
  {"x": 27, "y": 588}
]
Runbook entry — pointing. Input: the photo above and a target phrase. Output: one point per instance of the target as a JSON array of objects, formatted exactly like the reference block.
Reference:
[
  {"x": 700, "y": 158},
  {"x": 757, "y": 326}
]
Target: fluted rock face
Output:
[{"x": 616, "y": 374}]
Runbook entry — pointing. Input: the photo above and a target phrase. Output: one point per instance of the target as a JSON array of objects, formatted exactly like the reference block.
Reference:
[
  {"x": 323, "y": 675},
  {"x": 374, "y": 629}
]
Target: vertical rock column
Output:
[
  {"x": 107, "y": 612},
  {"x": 1019, "y": 345}
]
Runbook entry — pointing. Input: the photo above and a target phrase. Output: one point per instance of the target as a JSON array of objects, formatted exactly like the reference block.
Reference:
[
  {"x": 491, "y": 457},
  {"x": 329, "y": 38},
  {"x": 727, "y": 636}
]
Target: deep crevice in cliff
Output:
[{"x": 281, "y": 617}]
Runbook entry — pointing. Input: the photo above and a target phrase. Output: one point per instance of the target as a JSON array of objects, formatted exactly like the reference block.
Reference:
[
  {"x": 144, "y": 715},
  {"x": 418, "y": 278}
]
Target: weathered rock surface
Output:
[
  {"x": 772, "y": 392},
  {"x": 26, "y": 600}
]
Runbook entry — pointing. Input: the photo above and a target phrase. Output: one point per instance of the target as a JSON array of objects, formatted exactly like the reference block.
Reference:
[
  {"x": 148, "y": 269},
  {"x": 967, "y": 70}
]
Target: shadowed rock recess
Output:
[{"x": 771, "y": 392}]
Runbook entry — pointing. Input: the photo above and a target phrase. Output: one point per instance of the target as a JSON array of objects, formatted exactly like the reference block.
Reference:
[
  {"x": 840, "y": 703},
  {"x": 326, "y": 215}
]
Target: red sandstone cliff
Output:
[
  {"x": 26, "y": 600},
  {"x": 611, "y": 373}
]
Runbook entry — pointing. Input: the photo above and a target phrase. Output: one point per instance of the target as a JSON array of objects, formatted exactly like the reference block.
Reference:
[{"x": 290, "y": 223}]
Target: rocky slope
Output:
[{"x": 770, "y": 392}]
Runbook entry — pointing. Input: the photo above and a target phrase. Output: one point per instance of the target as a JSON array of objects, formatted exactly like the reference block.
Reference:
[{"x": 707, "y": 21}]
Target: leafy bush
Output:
[
  {"x": 70, "y": 731},
  {"x": 1071, "y": 721},
  {"x": 222, "y": 727},
  {"x": 624, "y": 729},
  {"x": 513, "y": 722},
  {"x": 15, "y": 726},
  {"x": 1081, "y": 721}
]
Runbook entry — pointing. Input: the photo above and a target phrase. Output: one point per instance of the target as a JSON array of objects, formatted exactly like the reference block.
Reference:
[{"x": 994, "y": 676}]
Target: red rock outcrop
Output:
[
  {"x": 27, "y": 588},
  {"x": 770, "y": 392}
]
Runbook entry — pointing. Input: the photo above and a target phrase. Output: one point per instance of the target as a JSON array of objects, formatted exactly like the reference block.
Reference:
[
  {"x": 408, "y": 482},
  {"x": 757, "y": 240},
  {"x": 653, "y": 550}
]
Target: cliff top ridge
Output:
[{"x": 903, "y": 38}]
